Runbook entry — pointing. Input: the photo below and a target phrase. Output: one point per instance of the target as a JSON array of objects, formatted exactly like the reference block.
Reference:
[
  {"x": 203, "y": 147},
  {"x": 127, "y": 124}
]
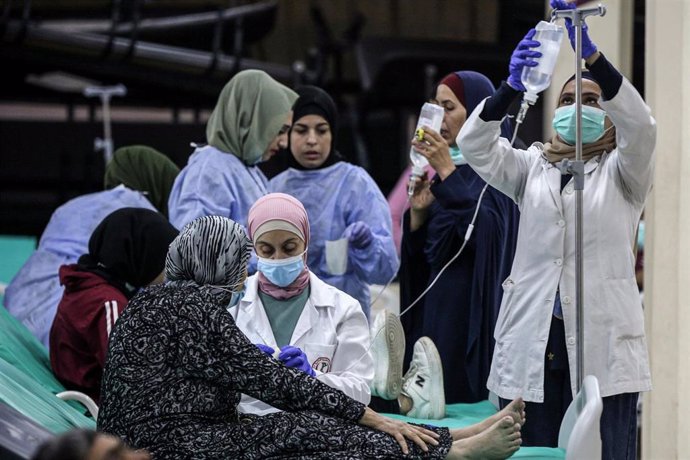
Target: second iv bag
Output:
[
  {"x": 431, "y": 116},
  {"x": 536, "y": 79}
]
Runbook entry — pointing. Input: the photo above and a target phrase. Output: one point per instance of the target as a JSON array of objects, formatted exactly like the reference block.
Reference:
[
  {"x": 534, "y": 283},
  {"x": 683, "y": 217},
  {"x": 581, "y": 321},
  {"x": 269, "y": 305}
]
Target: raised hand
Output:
[
  {"x": 588, "y": 47},
  {"x": 436, "y": 150},
  {"x": 521, "y": 58},
  {"x": 359, "y": 234}
]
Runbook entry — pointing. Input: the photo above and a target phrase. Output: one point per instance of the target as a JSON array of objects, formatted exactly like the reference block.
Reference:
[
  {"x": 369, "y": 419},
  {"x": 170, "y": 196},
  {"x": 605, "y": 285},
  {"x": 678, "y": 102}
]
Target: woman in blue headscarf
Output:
[
  {"x": 459, "y": 312},
  {"x": 342, "y": 200}
]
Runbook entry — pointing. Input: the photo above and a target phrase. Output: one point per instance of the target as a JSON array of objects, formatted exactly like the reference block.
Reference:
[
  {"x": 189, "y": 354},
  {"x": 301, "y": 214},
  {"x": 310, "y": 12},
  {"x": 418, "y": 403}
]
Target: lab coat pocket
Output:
[
  {"x": 502, "y": 322},
  {"x": 320, "y": 356},
  {"x": 624, "y": 308},
  {"x": 627, "y": 342}
]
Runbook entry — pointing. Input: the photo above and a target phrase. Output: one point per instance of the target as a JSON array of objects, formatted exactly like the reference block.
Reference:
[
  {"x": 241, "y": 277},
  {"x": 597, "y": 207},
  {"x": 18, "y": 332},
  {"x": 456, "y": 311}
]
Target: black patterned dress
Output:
[{"x": 176, "y": 366}]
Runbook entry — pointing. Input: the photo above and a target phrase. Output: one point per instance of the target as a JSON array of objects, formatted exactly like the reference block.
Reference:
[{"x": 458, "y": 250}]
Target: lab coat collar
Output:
[
  {"x": 319, "y": 293},
  {"x": 553, "y": 178},
  {"x": 318, "y": 298},
  {"x": 310, "y": 315},
  {"x": 249, "y": 308}
]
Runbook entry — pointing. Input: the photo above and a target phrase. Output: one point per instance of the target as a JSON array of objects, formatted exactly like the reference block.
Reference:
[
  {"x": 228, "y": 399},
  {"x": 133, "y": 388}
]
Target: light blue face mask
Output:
[
  {"x": 281, "y": 272},
  {"x": 456, "y": 156},
  {"x": 592, "y": 123},
  {"x": 236, "y": 297}
]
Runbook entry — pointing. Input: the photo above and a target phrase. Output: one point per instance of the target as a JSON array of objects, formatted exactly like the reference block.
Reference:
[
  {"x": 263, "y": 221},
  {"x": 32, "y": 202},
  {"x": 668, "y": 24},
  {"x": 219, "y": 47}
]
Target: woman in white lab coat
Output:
[
  {"x": 294, "y": 316},
  {"x": 535, "y": 353}
]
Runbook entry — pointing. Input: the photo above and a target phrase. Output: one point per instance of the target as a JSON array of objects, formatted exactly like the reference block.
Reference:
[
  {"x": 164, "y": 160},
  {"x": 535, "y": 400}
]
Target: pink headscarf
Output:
[{"x": 280, "y": 207}]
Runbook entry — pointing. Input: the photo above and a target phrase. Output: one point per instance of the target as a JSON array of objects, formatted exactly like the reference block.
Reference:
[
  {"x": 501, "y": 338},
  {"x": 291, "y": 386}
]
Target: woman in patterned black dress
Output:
[{"x": 177, "y": 364}]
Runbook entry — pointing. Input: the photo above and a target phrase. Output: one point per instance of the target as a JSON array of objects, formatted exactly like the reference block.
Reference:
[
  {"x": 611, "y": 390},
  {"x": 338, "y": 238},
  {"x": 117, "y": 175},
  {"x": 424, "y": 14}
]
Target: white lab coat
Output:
[
  {"x": 616, "y": 186},
  {"x": 332, "y": 330}
]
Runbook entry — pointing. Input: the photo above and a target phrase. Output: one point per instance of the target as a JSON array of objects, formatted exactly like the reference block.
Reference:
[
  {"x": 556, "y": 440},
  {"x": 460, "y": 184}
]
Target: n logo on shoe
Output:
[{"x": 420, "y": 381}]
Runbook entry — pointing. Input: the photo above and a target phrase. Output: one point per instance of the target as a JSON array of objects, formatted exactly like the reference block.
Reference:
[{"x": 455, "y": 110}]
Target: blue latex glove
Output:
[
  {"x": 520, "y": 58},
  {"x": 359, "y": 235},
  {"x": 265, "y": 348},
  {"x": 588, "y": 48},
  {"x": 295, "y": 358}
]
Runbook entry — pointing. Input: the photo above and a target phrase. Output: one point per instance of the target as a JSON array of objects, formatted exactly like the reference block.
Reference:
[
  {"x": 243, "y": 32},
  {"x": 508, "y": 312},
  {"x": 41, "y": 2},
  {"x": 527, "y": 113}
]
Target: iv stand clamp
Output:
[
  {"x": 576, "y": 168},
  {"x": 105, "y": 93}
]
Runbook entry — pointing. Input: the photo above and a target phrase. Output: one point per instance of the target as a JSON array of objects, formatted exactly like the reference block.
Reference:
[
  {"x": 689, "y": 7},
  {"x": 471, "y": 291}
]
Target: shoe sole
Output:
[
  {"x": 395, "y": 341},
  {"x": 438, "y": 404}
]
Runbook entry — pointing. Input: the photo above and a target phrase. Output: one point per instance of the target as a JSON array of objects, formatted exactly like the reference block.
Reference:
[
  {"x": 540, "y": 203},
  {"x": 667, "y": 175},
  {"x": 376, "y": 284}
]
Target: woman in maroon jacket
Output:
[{"x": 126, "y": 252}]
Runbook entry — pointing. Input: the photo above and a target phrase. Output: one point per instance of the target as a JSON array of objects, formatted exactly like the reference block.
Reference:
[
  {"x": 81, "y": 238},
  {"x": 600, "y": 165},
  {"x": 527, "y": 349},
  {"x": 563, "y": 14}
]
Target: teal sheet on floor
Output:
[
  {"x": 15, "y": 251},
  {"x": 28, "y": 385},
  {"x": 462, "y": 415}
]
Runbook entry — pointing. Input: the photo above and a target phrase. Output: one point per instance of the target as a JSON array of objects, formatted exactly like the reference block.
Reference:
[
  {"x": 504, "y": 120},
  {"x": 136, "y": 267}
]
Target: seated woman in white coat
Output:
[{"x": 290, "y": 314}]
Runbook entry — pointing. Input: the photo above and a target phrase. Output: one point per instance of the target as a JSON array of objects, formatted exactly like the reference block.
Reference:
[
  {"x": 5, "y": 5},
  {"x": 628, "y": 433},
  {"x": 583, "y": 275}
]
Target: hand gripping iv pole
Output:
[
  {"x": 577, "y": 169},
  {"x": 105, "y": 93}
]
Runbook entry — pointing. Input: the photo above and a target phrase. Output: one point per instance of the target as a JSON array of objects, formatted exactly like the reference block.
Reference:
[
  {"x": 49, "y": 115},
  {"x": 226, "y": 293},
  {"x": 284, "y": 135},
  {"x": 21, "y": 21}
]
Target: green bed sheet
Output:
[
  {"x": 15, "y": 251},
  {"x": 28, "y": 385},
  {"x": 462, "y": 415}
]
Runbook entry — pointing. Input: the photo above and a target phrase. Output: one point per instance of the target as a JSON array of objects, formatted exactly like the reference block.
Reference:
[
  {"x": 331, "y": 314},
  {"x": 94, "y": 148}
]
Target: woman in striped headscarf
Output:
[{"x": 177, "y": 364}]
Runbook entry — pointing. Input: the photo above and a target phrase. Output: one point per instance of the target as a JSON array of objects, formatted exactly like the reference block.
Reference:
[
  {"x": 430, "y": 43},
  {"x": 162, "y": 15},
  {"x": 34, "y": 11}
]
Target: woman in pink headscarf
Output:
[{"x": 294, "y": 316}]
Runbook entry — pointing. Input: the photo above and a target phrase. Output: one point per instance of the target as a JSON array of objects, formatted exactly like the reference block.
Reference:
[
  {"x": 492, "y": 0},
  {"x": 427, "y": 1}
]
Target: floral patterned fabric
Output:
[{"x": 176, "y": 366}]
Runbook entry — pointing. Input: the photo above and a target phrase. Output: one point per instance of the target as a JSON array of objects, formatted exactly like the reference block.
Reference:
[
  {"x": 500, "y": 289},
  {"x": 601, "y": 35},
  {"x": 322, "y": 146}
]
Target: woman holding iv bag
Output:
[
  {"x": 535, "y": 355},
  {"x": 459, "y": 311}
]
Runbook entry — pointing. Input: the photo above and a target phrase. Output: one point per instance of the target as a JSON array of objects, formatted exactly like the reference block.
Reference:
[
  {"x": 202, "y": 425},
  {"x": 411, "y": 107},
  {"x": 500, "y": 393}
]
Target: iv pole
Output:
[
  {"x": 105, "y": 93},
  {"x": 577, "y": 169}
]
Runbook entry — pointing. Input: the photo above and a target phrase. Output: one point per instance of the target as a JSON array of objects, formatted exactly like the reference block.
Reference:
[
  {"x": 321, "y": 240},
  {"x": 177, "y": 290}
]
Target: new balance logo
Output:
[{"x": 420, "y": 381}]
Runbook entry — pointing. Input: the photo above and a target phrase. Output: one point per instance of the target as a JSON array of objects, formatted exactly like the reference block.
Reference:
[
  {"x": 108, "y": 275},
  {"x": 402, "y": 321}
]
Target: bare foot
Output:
[
  {"x": 514, "y": 410},
  {"x": 498, "y": 442}
]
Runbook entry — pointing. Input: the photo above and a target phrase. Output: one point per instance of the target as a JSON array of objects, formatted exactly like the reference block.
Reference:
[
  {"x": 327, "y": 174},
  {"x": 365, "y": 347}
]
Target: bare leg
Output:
[
  {"x": 515, "y": 410},
  {"x": 405, "y": 403},
  {"x": 498, "y": 442}
]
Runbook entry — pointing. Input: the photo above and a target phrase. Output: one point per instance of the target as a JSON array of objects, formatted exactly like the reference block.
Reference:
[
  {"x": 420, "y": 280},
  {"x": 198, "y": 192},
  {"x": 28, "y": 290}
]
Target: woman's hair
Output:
[{"x": 73, "y": 445}]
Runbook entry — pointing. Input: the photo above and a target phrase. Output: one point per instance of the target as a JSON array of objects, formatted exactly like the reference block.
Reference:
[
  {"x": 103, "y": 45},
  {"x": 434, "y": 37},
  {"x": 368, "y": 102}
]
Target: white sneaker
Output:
[
  {"x": 387, "y": 350},
  {"x": 423, "y": 382}
]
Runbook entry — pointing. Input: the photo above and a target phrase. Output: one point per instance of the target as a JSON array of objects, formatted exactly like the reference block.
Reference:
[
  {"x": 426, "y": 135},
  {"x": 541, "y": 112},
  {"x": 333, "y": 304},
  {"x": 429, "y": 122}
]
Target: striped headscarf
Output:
[{"x": 210, "y": 251}]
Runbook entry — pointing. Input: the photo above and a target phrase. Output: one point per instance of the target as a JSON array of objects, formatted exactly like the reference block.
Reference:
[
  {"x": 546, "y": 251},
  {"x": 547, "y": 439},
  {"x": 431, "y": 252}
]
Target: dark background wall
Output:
[{"x": 378, "y": 58}]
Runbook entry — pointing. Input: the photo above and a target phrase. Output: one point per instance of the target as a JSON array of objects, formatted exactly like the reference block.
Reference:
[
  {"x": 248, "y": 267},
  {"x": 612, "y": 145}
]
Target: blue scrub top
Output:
[
  {"x": 215, "y": 183},
  {"x": 34, "y": 293},
  {"x": 335, "y": 197}
]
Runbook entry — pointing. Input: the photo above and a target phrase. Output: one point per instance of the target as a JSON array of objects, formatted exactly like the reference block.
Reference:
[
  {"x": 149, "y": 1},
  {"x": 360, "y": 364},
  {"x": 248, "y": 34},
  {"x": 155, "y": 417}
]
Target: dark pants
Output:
[{"x": 618, "y": 426}]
